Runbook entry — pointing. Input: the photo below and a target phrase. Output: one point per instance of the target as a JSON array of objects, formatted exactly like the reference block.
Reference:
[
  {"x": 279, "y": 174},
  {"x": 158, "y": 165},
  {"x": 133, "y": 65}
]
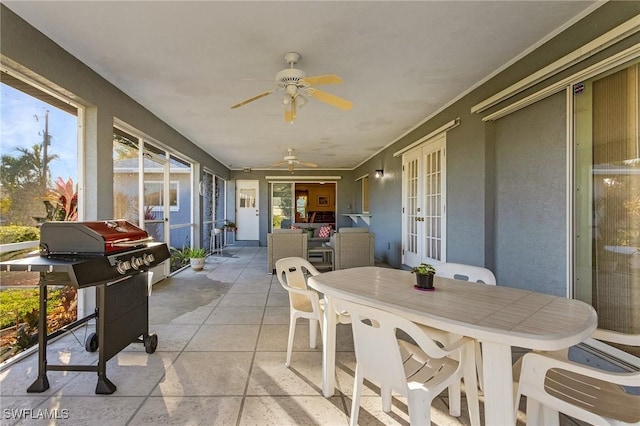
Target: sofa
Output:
[
  {"x": 316, "y": 240},
  {"x": 283, "y": 243}
]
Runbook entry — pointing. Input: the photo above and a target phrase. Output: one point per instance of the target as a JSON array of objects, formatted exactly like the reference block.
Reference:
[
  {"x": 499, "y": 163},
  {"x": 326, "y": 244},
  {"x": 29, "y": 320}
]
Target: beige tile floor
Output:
[{"x": 220, "y": 361}]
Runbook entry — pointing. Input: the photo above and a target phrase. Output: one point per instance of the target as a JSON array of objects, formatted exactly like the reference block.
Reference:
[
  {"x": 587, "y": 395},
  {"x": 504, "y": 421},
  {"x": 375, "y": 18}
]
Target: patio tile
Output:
[
  {"x": 274, "y": 338},
  {"x": 241, "y": 299},
  {"x": 236, "y": 315},
  {"x": 278, "y": 299},
  {"x": 88, "y": 410},
  {"x": 293, "y": 410},
  {"x": 269, "y": 375},
  {"x": 222, "y": 337},
  {"x": 206, "y": 374},
  {"x": 276, "y": 315},
  {"x": 188, "y": 411},
  {"x": 14, "y": 407}
]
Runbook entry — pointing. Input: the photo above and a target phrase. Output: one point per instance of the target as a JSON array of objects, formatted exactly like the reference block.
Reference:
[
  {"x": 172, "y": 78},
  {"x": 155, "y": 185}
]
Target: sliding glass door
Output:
[{"x": 607, "y": 197}]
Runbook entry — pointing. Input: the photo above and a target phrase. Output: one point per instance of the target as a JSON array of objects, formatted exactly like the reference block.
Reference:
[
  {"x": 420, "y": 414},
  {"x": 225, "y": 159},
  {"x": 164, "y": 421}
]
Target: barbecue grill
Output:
[{"x": 114, "y": 256}]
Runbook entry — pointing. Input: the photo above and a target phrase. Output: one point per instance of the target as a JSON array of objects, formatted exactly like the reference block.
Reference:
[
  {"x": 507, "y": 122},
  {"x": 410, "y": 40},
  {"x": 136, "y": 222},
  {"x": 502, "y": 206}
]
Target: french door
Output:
[{"x": 424, "y": 203}]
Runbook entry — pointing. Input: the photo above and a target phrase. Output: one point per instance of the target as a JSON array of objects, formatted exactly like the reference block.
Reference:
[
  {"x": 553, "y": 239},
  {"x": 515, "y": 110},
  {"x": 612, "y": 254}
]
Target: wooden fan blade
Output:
[
  {"x": 279, "y": 163},
  {"x": 246, "y": 101},
  {"x": 304, "y": 163},
  {"x": 330, "y": 99},
  {"x": 322, "y": 79}
]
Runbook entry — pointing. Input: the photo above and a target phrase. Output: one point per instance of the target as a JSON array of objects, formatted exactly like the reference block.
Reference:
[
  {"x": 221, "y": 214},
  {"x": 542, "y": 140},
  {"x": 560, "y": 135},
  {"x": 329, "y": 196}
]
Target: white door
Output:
[
  {"x": 247, "y": 211},
  {"x": 423, "y": 210}
]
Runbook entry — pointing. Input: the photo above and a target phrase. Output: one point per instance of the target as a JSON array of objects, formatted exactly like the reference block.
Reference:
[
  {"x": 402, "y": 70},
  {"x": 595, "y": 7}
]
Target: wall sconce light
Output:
[{"x": 379, "y": 173}]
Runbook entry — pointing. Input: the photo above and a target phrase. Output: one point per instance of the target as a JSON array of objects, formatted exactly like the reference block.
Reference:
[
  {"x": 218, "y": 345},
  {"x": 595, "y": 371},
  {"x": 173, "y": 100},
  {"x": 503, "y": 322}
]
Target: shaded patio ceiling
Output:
[{"x": 401, "y": 62}]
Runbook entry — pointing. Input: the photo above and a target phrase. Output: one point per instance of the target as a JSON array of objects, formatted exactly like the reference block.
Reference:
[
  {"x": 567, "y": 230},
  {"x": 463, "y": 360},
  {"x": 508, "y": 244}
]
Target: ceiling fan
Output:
[
  {"x": 291, "y": 160},
  {"x": 295, "y": 82}
]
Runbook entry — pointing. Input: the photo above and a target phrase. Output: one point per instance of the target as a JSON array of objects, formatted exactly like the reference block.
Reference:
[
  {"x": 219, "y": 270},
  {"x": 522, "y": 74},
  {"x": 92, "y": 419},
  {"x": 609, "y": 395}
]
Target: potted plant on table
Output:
[
  {"x": 424, "y": 276},
  {"x": 197, "y": 257}
]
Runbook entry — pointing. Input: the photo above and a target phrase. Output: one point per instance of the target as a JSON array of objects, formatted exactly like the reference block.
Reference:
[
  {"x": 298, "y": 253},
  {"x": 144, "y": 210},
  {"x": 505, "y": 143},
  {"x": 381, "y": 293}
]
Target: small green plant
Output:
[
  {"x": 423, "y": 269},
  {"x": 197, "y": 253},
  {"x": 179, "y": 257}
]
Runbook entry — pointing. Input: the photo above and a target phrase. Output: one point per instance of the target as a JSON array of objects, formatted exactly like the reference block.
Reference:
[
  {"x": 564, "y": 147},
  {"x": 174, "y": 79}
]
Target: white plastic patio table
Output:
[{"x": 500, "y": 317}]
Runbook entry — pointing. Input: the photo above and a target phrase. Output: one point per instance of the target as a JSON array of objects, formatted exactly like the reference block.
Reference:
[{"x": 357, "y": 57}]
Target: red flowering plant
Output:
[{"x": 62, "y": 202}]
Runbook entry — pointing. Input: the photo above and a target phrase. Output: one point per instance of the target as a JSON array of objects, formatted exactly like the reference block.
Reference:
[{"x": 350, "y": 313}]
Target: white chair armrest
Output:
[
  {"x": 617, "y": 337},
  {"x": 545, "y": 362}
]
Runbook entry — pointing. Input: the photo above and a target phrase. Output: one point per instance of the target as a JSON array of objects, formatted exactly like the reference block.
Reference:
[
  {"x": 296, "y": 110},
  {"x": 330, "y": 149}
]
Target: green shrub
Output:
[{"x": 17, "y": 234}]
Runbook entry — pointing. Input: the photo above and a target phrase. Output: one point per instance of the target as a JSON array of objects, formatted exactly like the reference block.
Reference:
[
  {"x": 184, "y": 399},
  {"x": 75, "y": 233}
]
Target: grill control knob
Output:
[
  {"x": 136, "y": 262},
  {"x": 123, "y": 267},
  {"x": 148, "y": 258}
]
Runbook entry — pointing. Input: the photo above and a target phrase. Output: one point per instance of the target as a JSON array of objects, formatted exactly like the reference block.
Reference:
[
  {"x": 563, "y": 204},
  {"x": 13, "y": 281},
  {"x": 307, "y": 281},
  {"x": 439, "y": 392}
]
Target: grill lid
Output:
[{"x": 96, "y": 238}]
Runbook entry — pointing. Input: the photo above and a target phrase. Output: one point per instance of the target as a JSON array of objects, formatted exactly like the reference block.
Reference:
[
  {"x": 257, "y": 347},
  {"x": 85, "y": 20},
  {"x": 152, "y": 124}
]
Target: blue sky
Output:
[{"x": 19, "y": 128}]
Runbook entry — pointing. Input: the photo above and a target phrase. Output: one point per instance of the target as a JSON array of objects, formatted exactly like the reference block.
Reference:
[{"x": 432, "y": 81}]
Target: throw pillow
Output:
[
  {"x": 295, "y": 227},
  {"x": 324, "y": 232}
]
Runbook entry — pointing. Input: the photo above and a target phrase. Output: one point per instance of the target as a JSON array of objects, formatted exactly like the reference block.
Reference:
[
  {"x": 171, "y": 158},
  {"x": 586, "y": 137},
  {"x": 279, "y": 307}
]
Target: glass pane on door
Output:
[
  {"x": 412, "y": 206},
  {"x": 433, "y": 208},
  {"x": 207, "y": 193},
  {"x": 126, "y": 175},
  {"x": 154, "y": 197},
  {"x": 180, "y": 203}
]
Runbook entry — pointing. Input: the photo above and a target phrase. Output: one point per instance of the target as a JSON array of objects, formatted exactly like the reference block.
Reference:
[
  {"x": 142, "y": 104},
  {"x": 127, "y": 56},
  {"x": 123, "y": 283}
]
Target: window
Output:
[
  {"x": 39, "y": 155},
  {"x": 154, "y": 195},
  {"x": 607, "y": 196},
  {"x": 38, "y": 183}
]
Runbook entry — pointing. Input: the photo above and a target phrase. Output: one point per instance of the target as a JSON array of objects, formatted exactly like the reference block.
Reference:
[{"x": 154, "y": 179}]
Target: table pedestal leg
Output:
[
  {"x": 498, "y": 384},
  {"x": 329, "y": 349}
]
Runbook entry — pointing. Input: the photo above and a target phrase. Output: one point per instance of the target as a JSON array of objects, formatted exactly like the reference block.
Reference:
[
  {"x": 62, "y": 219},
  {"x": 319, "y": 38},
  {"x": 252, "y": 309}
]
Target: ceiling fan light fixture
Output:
[{"x": 294, "y": 81}]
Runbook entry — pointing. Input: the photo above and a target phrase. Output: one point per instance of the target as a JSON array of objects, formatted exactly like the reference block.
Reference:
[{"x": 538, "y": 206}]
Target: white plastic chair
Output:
[
  {"x": 303, "y": 302},
  {"x": 420, "y": 373},
  {"x": 477, "y": 274},
  {"x": 553, "y": 383},
  {"x": 460, "y": 271}
]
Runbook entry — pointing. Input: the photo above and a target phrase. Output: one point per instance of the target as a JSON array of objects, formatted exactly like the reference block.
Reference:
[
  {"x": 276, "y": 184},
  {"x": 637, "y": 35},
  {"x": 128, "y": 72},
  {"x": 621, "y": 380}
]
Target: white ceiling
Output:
[{"x": 188, "y": 62}]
